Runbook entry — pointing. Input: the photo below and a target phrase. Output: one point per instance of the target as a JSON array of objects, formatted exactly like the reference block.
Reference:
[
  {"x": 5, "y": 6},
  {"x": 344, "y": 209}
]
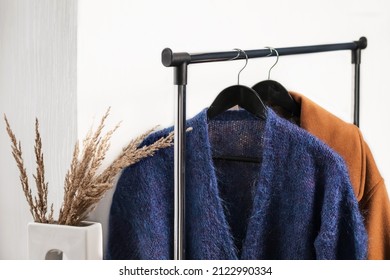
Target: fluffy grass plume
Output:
[
  {"x": 38, "y": 203},
  {"x": 85, "y": 183}
]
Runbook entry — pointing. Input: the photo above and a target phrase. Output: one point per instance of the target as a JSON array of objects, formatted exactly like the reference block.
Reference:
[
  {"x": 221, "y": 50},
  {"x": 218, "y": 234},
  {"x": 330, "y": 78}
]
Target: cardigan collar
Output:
[{"x": 207, "y": 211}]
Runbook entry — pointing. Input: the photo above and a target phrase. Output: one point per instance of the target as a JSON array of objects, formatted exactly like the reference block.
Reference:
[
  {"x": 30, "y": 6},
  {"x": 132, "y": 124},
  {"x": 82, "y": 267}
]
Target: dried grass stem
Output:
[{"x": 84, "y": 185}]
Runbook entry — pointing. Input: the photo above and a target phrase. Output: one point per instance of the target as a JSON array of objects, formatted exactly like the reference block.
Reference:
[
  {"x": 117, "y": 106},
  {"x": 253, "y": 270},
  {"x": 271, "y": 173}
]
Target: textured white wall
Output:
[
  {"x": 120, "y": 44},
  {"x": 37, "y": 79}
]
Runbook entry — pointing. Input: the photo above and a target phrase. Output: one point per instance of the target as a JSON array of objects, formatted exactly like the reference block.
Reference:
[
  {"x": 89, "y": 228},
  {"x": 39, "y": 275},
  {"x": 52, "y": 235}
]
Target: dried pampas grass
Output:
[
  {"x": 38, "y": 204},
  {"x": 85, "y": 185}
]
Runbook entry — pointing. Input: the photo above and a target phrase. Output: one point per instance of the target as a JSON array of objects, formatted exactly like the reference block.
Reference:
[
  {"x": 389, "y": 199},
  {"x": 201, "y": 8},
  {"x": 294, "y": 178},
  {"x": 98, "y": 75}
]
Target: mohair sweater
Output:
[
  {"x": 367, "y": 182},
  {"x": 296, "y": 203}
]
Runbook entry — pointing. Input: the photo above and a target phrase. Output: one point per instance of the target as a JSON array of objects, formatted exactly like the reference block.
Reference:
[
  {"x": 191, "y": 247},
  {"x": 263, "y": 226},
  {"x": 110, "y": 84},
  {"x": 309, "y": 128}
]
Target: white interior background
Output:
[{"x": 118, "y": 56}]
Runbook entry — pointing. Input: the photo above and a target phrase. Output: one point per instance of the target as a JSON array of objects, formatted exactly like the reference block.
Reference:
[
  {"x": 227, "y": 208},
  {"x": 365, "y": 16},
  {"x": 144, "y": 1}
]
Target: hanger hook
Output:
[
  {"x": 246, "y": 62},
  {"x": 277, "y": 59}
]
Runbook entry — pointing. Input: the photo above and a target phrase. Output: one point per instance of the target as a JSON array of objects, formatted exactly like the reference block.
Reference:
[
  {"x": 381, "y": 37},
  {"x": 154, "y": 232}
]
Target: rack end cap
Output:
[
  {"x": 169, "y": 58},
  {"x": 362, "y": 43}
]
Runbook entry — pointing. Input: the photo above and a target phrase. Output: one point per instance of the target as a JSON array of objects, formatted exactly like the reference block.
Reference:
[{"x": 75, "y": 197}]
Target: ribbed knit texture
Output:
[{"x": 296, "y": 203}]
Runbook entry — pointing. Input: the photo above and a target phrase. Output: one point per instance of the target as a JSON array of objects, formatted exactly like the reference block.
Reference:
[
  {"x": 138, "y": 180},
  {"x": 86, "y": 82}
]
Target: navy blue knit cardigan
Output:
[{"x": 295, "y": 201}]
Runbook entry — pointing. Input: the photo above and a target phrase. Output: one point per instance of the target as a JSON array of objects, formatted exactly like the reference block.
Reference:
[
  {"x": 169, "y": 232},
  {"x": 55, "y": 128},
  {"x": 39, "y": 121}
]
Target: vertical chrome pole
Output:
[{"x": 179, "y": 162}]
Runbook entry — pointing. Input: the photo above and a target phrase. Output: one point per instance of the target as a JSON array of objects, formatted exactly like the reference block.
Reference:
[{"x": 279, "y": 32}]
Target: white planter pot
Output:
[{"x": 52, "y": 241}]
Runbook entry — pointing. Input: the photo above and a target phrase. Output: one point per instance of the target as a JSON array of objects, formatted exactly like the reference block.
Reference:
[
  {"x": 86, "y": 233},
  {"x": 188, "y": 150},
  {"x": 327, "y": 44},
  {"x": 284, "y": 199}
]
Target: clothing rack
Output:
[{"x": 180, "y": 62}]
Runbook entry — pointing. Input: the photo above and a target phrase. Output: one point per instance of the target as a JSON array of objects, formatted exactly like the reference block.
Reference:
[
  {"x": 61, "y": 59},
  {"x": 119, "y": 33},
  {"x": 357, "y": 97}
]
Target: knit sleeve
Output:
[
  {"x": 140, "y": 215},
  {"x": 121, "y": 245},
  {"x": 122, "y": 230},
  {"x": 342, "y": 234}
]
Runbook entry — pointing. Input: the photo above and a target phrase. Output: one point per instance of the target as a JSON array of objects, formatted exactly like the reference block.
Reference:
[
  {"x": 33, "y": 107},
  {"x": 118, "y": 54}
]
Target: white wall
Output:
[
  {"x": 119, "y": 44},
  {"x": 119, "y": 59},
  {"x": 37, "y": 79}
]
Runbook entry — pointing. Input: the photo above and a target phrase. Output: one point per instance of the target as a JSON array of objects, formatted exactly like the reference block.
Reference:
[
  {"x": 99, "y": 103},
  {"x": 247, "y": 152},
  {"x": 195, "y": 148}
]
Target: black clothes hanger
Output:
[
  {"x": 275, "y": 94},
  {"x": 244, "y": 97},
  {"x": 240, "y": 95}
]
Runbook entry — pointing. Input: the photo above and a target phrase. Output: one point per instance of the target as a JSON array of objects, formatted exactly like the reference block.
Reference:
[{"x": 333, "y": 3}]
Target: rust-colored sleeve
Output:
[{"x": 375, "y": 207}]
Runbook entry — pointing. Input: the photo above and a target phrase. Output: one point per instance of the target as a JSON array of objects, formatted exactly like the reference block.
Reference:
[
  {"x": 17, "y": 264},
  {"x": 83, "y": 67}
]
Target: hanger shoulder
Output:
[
  {"x": 273, "y": 93},
  {"x": 240, "y": 95}
]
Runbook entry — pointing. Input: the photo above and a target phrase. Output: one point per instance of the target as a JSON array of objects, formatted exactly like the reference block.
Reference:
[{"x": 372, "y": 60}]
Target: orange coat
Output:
[{"x": 369, "y": 187}]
